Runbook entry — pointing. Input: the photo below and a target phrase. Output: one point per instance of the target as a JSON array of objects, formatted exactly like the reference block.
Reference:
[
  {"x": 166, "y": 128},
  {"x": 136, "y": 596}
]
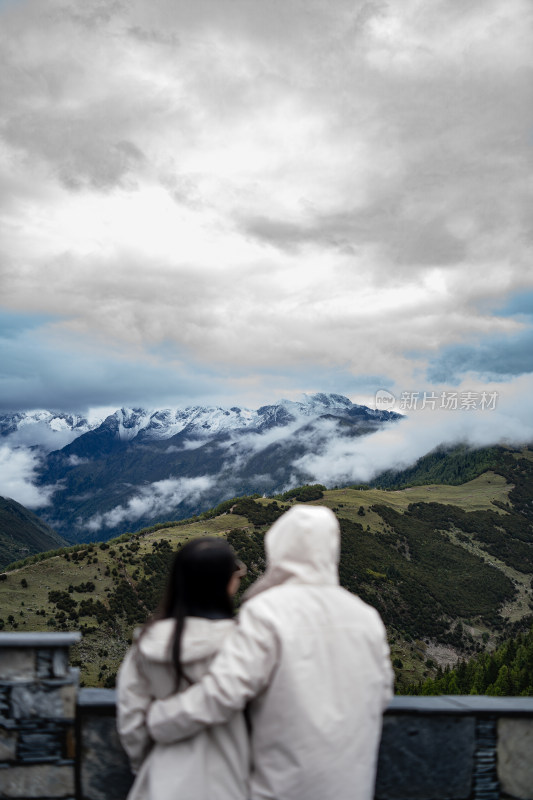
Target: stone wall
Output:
[
  {"x": 432, "y": 748},
  {"x": 38, "y": 696},
  {"x": 456, "y": 748}
]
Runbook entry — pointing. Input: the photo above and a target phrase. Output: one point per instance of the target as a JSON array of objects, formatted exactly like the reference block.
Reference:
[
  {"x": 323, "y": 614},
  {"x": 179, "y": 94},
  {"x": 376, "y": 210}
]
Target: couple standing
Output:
[{"x": 307, "y": 660}]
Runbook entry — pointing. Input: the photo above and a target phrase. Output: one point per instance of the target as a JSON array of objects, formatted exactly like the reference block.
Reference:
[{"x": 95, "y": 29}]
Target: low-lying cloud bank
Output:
[
  {"x": 308, "y": 450},
  {"x": 341, "y": 460},
  {"x": 152, "y": 500}
]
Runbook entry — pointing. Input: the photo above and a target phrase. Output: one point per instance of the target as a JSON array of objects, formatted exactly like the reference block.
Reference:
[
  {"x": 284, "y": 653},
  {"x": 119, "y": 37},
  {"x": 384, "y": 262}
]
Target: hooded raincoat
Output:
[
  {"x": 212, "y": 766},
  {"x": 313, "y": 661}
]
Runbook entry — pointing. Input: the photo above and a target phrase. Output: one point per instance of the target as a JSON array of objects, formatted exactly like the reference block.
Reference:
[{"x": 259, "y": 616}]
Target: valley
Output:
[{"x": 447, "y": 566}]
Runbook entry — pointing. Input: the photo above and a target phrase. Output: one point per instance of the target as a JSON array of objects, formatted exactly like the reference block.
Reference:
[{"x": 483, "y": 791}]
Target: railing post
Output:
[{"x": 38, "y": 695}]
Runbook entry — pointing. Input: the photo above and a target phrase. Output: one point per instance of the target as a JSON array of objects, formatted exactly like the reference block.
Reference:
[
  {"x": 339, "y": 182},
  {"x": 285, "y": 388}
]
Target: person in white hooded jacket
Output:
[
  {"x": 171, "y": 652},
  {"x": 312, "y": 661}
]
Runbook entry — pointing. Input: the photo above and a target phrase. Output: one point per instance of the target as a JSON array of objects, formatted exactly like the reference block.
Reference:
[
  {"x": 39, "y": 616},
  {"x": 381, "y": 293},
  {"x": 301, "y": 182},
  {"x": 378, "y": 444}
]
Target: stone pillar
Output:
[{"x": 38, "y": 692}]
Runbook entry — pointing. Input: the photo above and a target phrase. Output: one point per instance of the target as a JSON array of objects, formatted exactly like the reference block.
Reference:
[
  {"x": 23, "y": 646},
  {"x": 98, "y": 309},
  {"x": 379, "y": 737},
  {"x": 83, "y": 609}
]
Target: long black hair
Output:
[{"x": 197, "y": 586}]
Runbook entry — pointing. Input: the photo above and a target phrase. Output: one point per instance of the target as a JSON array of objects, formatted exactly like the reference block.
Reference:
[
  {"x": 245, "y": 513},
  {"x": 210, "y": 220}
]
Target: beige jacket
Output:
[
  {"x": 214, "y": 765},
  {"x": 314, "y": 662}
]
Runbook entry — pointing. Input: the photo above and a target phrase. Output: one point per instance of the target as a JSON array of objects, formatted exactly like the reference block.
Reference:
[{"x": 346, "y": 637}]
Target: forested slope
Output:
[
  {"x": 506, "y": 671},
  {"x": 22, "y": 533}
]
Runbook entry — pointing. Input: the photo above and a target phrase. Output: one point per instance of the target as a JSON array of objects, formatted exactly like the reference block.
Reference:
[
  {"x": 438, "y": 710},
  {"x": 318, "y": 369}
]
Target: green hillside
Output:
[
  {"x": 449, "y": 567},
  {"x": 22, "y": 533},
  {"x": 454, "y": 466},
  {"x": 506, "y": 671}
]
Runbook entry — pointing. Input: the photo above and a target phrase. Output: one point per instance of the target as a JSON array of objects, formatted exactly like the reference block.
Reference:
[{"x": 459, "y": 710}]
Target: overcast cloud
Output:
[{"x": 236, "y": 201}]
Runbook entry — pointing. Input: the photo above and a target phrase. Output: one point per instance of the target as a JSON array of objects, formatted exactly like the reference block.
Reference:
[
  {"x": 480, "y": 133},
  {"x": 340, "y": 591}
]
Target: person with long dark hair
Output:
[
  {"x": 312, "y": 662},
  {"x": 173, "y": 651}
]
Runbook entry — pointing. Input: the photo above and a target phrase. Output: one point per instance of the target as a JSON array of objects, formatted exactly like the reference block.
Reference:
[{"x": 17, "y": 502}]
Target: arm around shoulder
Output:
[{"x": 242, "y": 669}]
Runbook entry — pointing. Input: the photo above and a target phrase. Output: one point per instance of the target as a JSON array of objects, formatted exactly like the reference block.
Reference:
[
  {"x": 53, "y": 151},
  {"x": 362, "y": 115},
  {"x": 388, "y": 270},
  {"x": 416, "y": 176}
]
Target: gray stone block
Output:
[
  {"x": 45, "y": 743},
  {"x": 426, "y": 758},
  {"x": 52, "y": 662},
  {"x": 105, "y": 770},
  {"x": 37, "y": 780},
  {"x": 60, "y": 662},
  {"x": 515, "y": 757},
  {"x": 44, "y": 702},
  {"x": 17, "y": 664}
]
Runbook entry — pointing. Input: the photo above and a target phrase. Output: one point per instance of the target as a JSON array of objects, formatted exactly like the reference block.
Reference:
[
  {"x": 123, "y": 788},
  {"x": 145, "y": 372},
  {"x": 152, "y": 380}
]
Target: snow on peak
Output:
[
  {"x": 312, "y": 405},
  {"x": 197, "y": 419},
  {"x": 130, "y": 422},
  {"x": 53, "y": 431}
]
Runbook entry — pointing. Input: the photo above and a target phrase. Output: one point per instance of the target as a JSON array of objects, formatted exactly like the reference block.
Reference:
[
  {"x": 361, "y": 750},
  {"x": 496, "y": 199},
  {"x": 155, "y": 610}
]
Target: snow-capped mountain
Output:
[
  {"x": 46, "y": 429},
  {"x": 166, "y": 423},
  {"x": 137, "y": 466},
  {"x": 200, "y": 420}
]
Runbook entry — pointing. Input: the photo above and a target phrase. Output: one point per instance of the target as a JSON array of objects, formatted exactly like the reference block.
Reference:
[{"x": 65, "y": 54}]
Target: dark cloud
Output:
[
  {"x": 153, "y": 36},
  {"x": 80, "y": 156},
  {"x": 407, "y": 242}
]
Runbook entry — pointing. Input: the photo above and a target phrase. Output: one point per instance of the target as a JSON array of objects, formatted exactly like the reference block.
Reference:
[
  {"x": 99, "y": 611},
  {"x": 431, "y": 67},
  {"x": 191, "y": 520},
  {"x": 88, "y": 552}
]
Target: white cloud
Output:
[
  {"x": 75, "y": 461},
  {"x": 18, "y": 468},
  {"x": 187, "y": 444},
  {"x": 259, "y": 188},
  {"x": 40, "y": 434},
  {"x": 399, "y": 445},
  {"x": 152, "y": 500}
]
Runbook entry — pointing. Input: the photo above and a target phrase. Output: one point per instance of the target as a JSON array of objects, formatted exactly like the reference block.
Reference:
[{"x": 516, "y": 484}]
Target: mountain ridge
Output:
[
  {"x": 141, "y": 467},
  {"x": 129, "y": 422}
]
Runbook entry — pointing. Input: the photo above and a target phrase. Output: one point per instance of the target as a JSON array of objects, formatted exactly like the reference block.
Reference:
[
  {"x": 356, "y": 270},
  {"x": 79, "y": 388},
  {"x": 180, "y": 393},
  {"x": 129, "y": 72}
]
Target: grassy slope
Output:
[
  {"x": 56, "y": 573},
  {"x": 476, "y": 495},
  {"x": 103, "y": 647}
]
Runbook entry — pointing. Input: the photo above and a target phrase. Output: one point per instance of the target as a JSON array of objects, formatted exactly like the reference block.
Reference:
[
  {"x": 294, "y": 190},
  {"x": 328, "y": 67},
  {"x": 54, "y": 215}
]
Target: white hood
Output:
[
  {"x": 201, "y": 638},
  {"x": 302, "y": 546}
]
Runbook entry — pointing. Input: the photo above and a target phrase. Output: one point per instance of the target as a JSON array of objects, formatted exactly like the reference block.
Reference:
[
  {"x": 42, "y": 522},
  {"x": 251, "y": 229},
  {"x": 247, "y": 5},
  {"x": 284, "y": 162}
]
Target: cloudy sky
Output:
[{"x": 229, "y": 201}]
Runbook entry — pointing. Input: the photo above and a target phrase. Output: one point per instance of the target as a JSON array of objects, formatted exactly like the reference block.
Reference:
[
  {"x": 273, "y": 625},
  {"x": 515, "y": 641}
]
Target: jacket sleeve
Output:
[
  {"x": 133, "y": 700},
  {"x": 241, "y": 670}
]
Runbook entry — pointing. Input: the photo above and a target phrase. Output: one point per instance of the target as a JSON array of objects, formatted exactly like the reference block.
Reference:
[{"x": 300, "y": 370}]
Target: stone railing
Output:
[{"x": 433, "y": 748}]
